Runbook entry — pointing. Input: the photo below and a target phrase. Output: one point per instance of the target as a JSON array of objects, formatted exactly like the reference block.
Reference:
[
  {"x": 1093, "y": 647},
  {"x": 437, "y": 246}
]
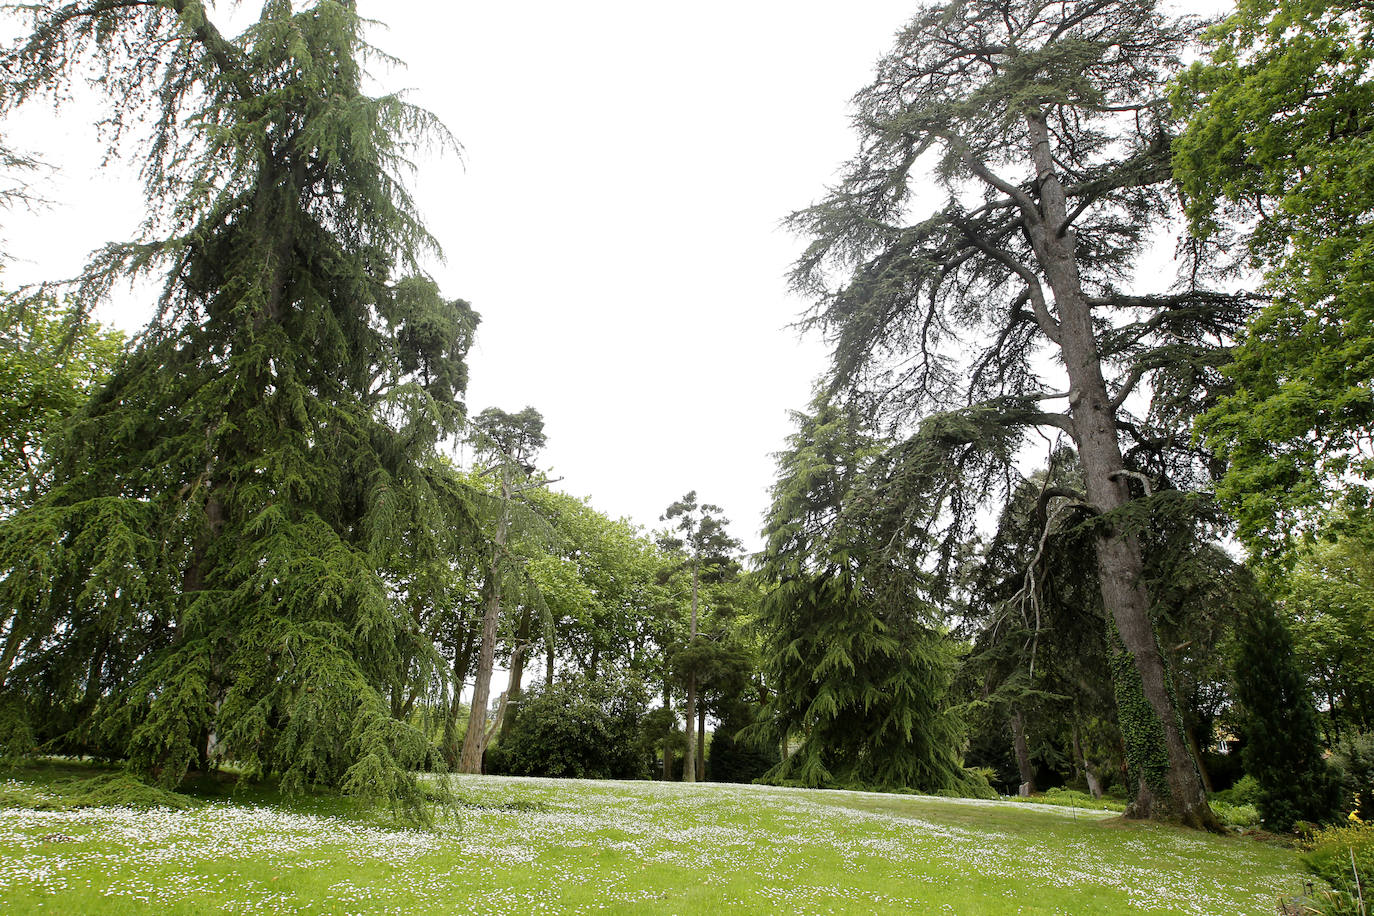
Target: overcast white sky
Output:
[{"x": 614, "y": 219}]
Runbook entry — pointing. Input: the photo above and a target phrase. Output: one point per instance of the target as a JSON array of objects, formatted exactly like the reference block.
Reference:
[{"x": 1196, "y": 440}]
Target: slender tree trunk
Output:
[
  {"x": 475, "y": 742},
  {"x": 1023, "y": 761},
  {"x": 668, "y": 738},
  {"x": 1089, "y": 774},
  {"x": 701, "y": 744},
  {"x": 689, "y": 769},
  {"x": 1201, "y": 764},
  {"x": 1168, "y": 771},
  {"x": 548, "y": 664}
]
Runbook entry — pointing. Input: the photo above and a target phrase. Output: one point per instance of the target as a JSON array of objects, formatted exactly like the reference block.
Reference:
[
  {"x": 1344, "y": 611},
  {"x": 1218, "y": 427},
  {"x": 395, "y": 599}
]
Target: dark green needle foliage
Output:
[
  {"x": 857, "y": 666},
  {"x": 1282, "y": 741},
  {"x": 227, "y": 563}
]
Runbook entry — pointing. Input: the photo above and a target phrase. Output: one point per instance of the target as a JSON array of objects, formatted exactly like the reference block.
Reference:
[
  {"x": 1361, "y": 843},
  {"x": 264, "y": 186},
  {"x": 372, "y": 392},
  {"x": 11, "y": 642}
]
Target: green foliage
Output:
[
  {"x": 104, "y": 790},
  {"x": 858, "y": 669},
  {"x": 1343, "y": 856},
  {"x": 50, "y": 362},
  {"x": 1282, "y": 744},
  {"x": 1279, "y": 149},
  {"x": 1328, "y": 603},
  {"x": 1353, "y": 760},
  {"x": 249, "y": 520},
  {"x": 578, "y": 728},
  {"x": 730, "y": 759},
  {"x": 1246, "y": 791},
  {"x": 1236, "y": 815}
]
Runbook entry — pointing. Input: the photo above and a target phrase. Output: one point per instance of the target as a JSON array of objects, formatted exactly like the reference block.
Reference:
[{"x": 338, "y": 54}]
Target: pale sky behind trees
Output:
[{"x": 614, "y": 218}]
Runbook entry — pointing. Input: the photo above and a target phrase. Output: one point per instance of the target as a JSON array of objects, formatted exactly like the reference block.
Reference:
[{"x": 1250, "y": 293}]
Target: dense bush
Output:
[
  {"x": 1335, "y": 855},
  {"x": 1353, "y": 760},
  {"x": 577, "y": 728}
]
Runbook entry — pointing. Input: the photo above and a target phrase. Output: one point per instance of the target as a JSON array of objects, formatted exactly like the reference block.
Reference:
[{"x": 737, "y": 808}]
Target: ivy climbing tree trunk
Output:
[{"x": 1177, "y": 791}]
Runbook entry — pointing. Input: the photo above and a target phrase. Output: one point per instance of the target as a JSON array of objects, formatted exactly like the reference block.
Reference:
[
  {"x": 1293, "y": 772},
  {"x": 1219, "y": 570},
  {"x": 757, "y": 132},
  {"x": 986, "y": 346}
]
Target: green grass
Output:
[{"x": 552, "y": 846}]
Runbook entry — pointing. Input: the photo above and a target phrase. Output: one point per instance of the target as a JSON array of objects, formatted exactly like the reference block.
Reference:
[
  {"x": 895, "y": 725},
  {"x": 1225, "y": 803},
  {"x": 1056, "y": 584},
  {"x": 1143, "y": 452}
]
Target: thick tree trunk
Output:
[
  {"x": 475, "y": 742},
  {"x": 689, "y": 768},
  {"x": 1023, "y": 761},
  {"x": 1175, "y": 789}
]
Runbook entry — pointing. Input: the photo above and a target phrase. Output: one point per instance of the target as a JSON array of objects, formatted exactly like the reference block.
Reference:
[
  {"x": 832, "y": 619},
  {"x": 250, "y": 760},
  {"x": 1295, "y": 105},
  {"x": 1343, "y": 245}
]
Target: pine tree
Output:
[{"x": 232, "y": 557}]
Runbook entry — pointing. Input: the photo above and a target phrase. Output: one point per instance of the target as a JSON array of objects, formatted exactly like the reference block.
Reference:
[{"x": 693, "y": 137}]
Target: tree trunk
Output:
[
  {"x": 1201, "y": 764},
  {"x": 668, "y": 738},
  {"x": 1023, "y": 761},
  {"x": 12, "y": 641},
  {"x": 475, "y": 742},
  {"x": 1168, "y": 771},
  {"x": 689, "y": 769},
  {"x": 548, "y": 664},
  {"x": 517, "y": 669},
  {"x": 1081, "y": 759},
  {"x": 701, "y": 744}
]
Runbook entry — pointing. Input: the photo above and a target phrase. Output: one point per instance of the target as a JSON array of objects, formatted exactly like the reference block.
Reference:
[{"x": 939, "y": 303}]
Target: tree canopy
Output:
[{"x": 227, "y": 553}]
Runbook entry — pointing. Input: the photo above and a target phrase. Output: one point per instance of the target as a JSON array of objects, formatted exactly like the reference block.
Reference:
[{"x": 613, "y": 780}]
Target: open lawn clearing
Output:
[{"x": 534, "y": 845}]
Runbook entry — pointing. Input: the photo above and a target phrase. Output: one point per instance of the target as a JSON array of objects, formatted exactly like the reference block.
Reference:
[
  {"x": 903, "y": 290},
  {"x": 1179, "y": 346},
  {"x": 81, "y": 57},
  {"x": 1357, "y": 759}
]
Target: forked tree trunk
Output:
[
  {"x": 1081, "y": 760},
  {"x": 475, "y": 742},
  {"x": 517, "y": 670},
  {"x": 1153, "y": 731}
]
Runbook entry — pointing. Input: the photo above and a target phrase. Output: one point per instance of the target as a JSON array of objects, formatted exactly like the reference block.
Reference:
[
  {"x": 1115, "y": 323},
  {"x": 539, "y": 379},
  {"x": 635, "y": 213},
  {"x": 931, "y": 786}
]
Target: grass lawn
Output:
[{"x": 555, "y": 846}]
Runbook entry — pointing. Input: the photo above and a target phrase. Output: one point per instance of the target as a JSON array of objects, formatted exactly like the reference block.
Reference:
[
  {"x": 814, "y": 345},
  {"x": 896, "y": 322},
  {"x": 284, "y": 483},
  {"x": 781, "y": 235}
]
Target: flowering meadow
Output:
[{"x": 561, "y": 846}]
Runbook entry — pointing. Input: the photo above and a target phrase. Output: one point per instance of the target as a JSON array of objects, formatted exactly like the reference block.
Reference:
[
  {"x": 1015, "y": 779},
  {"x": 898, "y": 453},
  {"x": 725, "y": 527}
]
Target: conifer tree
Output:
[
  {"x": 1283, "y": 749},
  {"x": 1049, "y": 134},
  {"x": 858, "y": 669},
  {"x": 707, "y": 551},
  {"x": 231, "y": 557}
]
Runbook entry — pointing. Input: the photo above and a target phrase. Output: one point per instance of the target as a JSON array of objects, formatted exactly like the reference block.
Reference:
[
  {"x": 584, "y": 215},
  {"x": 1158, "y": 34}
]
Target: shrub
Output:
[
  {"x": 1246, "y": 791},
  {"x": 1236, "y": 815},
  {"x": 577, "y": 728},
  {"x": 1353, "y": 760},
  {"x": 1329, "y": 856}
]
